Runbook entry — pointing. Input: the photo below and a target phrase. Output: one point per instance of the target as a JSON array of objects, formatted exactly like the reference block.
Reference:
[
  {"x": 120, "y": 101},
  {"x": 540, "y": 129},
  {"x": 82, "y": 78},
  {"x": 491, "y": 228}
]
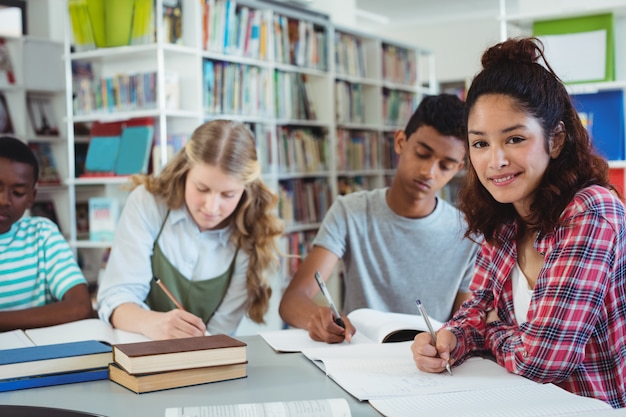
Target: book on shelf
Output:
[
  {"x": 328, "y": 407},
  {"x": 44, "y": 208},
  {"x": 75, "y": 331},
  {"x": 372, "y": 327},
  {"x": 103, "y": 215},
  {"x": 55, "y": 358},
  {"x": 134, "y": 149},
  {"x": 173, "y": 21},
  {"x": 82, "y": 219},
  {"x": 48, "y": 170},
  {"x": 7, "y": 74},
  {"x": 47, "y": 380},
  {"x": 41, "y": 114},
  {"x": 6, "y": 123},
  {"x": 142, "y": 31},
  {"x": 157, "y": 381},
  {"x": 176, "y": 354}
]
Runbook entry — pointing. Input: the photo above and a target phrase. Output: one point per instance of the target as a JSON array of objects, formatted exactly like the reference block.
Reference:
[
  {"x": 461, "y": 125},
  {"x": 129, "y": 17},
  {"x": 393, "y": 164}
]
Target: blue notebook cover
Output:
[
  {"x": 35, "y": 381},
  {"x": 134, "y": 151},
  {"x": 102, "y": 154},
  {"x": 35, "y": 360}
]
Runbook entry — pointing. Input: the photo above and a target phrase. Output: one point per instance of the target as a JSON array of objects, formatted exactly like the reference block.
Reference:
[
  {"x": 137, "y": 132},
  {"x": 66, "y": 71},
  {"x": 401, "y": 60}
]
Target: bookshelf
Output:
[
  {"x": 270, "y": 66},
  {"x": 597, "y": 97},
  {"x": 35, "y": 111}
]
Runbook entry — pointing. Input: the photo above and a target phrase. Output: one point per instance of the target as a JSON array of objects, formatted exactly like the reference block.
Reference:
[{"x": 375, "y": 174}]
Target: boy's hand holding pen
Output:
[{"x": 319, "y": 326}]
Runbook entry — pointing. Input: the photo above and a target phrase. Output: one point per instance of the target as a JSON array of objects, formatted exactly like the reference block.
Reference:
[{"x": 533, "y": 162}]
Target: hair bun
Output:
[{"x": 517, "y": 51}]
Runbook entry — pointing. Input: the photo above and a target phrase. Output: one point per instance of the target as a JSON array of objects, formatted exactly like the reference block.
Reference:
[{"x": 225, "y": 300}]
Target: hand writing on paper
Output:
[
  {"x": 174, "y": 324},
  {"x": 430, "y": 358},
  {"x": 322, "y": 327}
]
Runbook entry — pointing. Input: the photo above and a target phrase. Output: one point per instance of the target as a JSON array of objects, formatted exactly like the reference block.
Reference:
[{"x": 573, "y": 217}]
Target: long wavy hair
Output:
[
  {"x": 517, "y": 68},
  {"x": 230, "y": 146}
]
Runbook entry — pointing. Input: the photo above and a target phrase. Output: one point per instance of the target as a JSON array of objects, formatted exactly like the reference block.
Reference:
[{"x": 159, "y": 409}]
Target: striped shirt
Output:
[
  {"x": 575, "y": 333},
  {"x": 37, "y": 266}
]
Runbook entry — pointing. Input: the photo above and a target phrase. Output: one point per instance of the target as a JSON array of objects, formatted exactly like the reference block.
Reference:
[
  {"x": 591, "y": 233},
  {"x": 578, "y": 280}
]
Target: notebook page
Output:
[
  {"x": 14, "y": 339},
  {"x": 531, "y": 400},
  {"x": 333, "y": 407}
]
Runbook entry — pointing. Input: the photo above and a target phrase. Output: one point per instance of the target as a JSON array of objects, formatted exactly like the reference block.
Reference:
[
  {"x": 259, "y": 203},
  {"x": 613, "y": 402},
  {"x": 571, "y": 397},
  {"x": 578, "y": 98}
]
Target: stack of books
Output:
[
  {"x": 164, "y": 364},
  {"x": 64, "y": 363}
]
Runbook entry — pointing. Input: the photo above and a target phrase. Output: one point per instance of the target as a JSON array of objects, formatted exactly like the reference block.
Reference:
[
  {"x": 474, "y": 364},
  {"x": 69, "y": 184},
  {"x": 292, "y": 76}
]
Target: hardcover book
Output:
[
  {"x": 46, "y": 380},
  {"x": 176, "y": 354},
  {"x": 175, "y": 379},
  {"x": 49, "y": 359}
]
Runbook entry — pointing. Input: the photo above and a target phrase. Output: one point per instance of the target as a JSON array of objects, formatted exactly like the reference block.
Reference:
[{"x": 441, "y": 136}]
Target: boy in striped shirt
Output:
[{"x": 40, "y": 282}]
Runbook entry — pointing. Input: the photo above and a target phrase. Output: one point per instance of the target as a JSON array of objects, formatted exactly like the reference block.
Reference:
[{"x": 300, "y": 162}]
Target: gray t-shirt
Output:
[{"x": 391, "y": 260}]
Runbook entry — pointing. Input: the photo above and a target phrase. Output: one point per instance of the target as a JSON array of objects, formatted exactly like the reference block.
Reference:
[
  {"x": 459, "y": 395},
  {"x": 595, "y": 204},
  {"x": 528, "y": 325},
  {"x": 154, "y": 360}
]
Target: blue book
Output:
[
  {"x": 50, "y": 359},
  {"x": 134, "y": 152},
  {"x": 603, "y": 115},
  {"x": 46, "y": 380},
  {"x": 102, "y": 154}
]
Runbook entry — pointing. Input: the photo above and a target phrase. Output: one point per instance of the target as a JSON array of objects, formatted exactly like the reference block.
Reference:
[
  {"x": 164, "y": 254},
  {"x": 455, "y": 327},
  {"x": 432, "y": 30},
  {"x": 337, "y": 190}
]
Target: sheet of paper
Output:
[
  {"x": 296, "y": 340},
  {"x": 529, "y": 400},
  {"x": 333, "y": 407},
  {"x": 14, "y": 339},
  {"x": 388, "y": 370}
]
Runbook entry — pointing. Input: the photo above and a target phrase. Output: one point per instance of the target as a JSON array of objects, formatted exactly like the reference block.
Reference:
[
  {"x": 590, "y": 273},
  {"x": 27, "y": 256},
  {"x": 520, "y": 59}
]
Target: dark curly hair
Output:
[{"x": 517, "y": 68}]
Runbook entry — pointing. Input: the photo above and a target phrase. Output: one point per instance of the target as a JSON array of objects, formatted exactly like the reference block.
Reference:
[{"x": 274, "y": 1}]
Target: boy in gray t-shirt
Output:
[{"x": 398, "y": 243}]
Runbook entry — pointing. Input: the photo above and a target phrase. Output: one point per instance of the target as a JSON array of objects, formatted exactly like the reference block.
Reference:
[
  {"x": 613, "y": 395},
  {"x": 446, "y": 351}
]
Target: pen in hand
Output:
[
  {"x": 329, "y": 300},
  {"x": 168, "y": 293},
  {"x": 422, "y": 311}
]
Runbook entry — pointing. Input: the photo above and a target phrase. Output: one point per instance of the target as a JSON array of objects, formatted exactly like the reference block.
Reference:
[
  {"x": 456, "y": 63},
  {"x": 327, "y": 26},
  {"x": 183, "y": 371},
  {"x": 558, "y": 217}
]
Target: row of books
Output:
[
  {"x": 349, "y": 102},
  {"x": 347, "y": 185},
  {"x": 294, "y": 96},
  {"x": 236, "y": 89},
  {"x": 301, "y": 43},
  {"x": 399, "y": 65},
  {"x": 298, "y": 245},
  {"x": 357, "y": 150},
  {"x": 121, "y": 92},
  {"x": 302, "y": 150},
  {"x": 398, "y": 106},
  {"x": 240, "y": 31},
  {"x": 303, "y": 201},
  {"x": 350, "y": 56}
]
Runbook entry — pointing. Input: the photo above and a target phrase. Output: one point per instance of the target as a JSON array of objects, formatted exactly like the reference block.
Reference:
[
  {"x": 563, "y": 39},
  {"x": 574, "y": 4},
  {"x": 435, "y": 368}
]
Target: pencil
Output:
[{"x": 168, "y": 293}]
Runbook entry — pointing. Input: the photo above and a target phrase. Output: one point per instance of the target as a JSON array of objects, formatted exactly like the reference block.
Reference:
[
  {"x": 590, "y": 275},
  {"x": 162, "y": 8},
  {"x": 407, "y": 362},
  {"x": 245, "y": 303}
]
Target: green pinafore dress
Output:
[{"x": 201, "y": 298}]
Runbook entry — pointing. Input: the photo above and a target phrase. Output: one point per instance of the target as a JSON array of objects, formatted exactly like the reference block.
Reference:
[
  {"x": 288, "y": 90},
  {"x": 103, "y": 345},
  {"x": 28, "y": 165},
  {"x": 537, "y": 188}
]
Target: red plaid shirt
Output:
[{"x": 575, "y": 336}]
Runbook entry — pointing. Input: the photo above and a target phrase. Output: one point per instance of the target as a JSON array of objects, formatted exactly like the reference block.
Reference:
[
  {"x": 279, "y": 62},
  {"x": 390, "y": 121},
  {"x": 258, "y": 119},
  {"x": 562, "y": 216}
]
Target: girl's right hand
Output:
[
  {"x": 174, "y": 324},
  {"x": 430, "y": 358}
]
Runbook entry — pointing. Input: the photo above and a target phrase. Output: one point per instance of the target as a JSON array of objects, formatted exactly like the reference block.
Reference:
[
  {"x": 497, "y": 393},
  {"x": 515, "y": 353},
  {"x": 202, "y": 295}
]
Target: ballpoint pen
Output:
[
  {"x": 329, "y": 299},
  {"x": 422, "y": 311},
  {"x": 168, "y": 293}
]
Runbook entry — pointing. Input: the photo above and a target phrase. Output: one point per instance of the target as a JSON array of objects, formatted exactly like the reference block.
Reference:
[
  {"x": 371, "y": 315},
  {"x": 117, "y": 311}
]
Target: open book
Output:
[
  {"x": 372, "y": 326},
  {"x": 76, "y": 331}
]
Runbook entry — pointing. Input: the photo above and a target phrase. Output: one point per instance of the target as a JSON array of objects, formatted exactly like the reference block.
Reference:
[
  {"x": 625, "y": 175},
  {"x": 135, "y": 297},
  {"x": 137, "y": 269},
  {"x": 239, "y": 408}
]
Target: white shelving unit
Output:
[{"x": 275, "y": 110}]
